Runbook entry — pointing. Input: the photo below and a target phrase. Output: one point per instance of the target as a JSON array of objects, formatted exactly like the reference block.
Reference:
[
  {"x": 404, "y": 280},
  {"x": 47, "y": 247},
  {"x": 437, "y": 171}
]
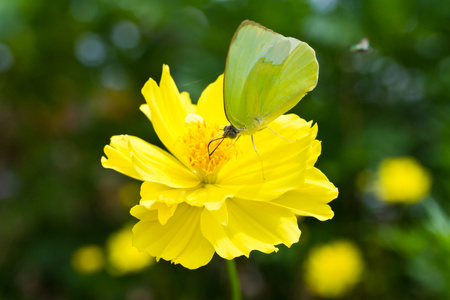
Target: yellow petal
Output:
[
  {"x": 187, "y": 103},
  {"x": 180, "y": 240},
  {"x": 162, "y": 193},
  {"x": 209, "y": 195},
  {"x": 165, "y": 211},
  {"x": 150, "y": 210},
  {"x": 251, "y": 226},
  {"x": 168, "y": 109},
  {"x": 216, "y": 233},
  {"x": 162, "y": 198},
  {"x": 193, "y": 118},
  {"x": 210, "y": 105},
  {"x": 312, "y": 198},
  {"x": 118, "y": 157},
  {"x": 290, "y": 127},
  {"x": 221, "y": 215},
  {"x": 146, "y": 110},
  {"x": 143, "y": 211},
  {"x": 284, "y": 131},
  {"x": 316, "y": 149},
  {"x": 282, "y": 170},
  {"x": 282, "y": 165},
  {"x": 156, "y": 165}
]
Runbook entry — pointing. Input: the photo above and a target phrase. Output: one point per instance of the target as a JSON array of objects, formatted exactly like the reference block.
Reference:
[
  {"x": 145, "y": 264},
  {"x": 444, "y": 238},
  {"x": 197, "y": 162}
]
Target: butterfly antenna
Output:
[
  {"x": 260, "y": 160},
  {"x": 213, "y": 140},
  {"x": 279, "y": 135}
]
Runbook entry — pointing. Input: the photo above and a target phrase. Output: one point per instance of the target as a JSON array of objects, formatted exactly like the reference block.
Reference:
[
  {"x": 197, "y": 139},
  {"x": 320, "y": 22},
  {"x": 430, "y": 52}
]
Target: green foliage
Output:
[{"x": 70, "y": 78}]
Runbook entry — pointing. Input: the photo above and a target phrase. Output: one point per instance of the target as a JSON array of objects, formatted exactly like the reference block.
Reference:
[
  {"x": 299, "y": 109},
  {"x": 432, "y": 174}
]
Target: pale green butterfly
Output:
[{"x": 266, "y": 74}]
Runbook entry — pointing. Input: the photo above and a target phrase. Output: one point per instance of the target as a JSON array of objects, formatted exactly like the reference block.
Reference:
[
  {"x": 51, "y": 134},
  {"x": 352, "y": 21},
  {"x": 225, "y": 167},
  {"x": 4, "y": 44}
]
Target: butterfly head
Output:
[{"x": 231, "y": 132}]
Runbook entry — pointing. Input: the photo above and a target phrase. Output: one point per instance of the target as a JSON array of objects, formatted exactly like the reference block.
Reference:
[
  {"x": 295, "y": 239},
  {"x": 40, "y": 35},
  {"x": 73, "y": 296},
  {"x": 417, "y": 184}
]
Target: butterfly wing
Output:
[{"x": 266, "y": 74}]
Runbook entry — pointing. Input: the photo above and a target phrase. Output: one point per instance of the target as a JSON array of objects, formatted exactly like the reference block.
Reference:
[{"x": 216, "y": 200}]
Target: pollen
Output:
[{"x": 197, "y": 136}]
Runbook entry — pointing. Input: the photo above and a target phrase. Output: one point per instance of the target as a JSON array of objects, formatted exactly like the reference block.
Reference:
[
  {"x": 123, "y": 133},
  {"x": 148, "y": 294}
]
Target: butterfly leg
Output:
[
  {"x": 259, "y": 157},
  {"x": 234, "y": 142},
  {"x": 279, "y": 135}
]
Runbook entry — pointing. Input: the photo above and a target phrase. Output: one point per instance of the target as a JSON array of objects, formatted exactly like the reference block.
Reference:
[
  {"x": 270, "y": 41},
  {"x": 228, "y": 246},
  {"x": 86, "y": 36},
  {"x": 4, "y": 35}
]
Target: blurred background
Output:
[{"x": 70, "y": 78}]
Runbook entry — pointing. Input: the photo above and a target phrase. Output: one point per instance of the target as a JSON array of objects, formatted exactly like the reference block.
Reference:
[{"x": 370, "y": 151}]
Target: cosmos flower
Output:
[
  {"x": 332, "y": 270},
  {"x": 231, "y": 203},
  {"x": 402, "y": 180},
  {"x": 122, "y": 257}
]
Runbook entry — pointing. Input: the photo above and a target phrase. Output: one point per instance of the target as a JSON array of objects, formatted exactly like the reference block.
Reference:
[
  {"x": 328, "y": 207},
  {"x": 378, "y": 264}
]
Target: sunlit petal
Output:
[
  {"x": 162, "y": 193},
  {"x": 279, "y": 164},
  {"x": 210, "y": 105},
  {"x": 144, "y": 211},
  {"x": 146, "y": 110},
  {"x": 251, "y": 226},
  {"x": 209, "y": 195},
  {"x": 168, "y": 109},
  {"x": 179, "y": 240},
  {"x": 311, "y": 200},
  {"x": 156, "y": 165},
  {"x": 118, "y": 157},
  {"x": 281, "y": 169}
]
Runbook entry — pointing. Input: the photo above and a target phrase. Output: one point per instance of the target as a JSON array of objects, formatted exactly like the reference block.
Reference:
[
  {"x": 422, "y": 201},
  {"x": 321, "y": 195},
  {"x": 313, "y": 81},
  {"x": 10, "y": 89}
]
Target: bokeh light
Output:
[
  {"x": 6, "y": 58},
  {"x": 90, "y": 50}
]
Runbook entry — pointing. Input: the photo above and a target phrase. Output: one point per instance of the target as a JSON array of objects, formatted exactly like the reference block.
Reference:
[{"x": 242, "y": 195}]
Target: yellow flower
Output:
[
  {"x": 193, "y": 206},
  {"x": 402, "y": 179},
  {"x": 88, "y": 259},
  {"x": 333, "y": 270},
  {"x": 122, "y": 256}
]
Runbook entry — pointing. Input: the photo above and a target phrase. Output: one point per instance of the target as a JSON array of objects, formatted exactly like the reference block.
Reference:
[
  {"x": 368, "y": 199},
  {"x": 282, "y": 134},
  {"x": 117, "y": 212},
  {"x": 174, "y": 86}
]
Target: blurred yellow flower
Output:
[
  {"x": 402, "y": 180},
  {"x": 193, "y": 205},
  {"x": 122, "y": 256},
  {"x": 332, "y": 270},
  {"x": 88, "y": 259}
]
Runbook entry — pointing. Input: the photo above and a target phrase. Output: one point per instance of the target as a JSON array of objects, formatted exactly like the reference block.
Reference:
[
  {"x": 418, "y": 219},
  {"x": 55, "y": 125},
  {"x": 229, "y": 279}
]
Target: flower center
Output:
[{"x": 197, "y": 136}]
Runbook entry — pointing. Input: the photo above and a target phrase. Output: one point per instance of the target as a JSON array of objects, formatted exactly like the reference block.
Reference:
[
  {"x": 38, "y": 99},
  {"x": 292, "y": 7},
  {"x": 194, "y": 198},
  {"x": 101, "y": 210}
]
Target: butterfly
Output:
[
  {"x": 362, "y": 47},
  {"x": 266, "y": 74}
]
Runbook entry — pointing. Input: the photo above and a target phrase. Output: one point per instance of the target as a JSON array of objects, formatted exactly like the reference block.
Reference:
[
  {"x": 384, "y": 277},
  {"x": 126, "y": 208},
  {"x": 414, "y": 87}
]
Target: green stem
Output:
[{"x": 234, "y": 280}]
